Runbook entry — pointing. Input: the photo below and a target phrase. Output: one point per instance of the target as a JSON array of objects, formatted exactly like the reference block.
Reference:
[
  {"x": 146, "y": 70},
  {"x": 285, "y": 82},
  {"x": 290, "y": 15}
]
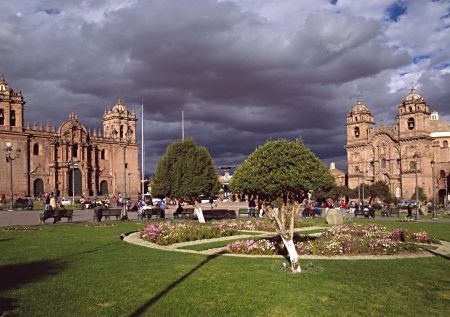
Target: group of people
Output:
[{"x": 254, "y": 209}]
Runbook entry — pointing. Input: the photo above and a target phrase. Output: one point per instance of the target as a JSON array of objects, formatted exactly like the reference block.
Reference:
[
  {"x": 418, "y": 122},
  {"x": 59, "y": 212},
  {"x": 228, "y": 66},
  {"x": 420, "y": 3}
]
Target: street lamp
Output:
[
  {"x": 10, "y": 157},
  {"x": 446, "y": 193},
  {"x": 123, "y": 143},
  {"x": 432, "y": 181},
  {"x": 73, "y": 164},
  {"x": 416, "y": 156},
  {"x": 363, "y": 183}
]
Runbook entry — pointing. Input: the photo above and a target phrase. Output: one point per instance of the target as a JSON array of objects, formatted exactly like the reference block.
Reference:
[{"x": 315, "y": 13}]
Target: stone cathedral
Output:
[
  {"x": 394, "y": 154},
  {"x": 70, "y": 159}
]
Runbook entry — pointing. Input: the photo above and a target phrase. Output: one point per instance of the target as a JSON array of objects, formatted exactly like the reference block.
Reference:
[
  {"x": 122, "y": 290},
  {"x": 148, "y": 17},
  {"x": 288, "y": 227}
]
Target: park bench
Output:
[
  {"x": 56, "y": 215},
  {"x": 248, "y": 212},
  {"x": 209, "y": 214},
  {"x": 106, "y": 212},
  {"x": 23, "y": 203},
  {"x": 361, "y": 212},
  {"x": 365, "y": 212},
  {"x": 390, "y": 212},
  {"x": 148, "y": 213},
  {"x": 187, "y": 213}
]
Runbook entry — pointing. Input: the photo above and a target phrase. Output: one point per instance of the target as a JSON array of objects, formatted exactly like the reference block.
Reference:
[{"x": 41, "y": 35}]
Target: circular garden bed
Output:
[{"x": 339, "y": 240}]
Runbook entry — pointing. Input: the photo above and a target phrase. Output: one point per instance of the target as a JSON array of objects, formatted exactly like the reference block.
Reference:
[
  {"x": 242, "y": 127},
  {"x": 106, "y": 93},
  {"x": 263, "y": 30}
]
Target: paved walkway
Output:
[{"x": 134, "y": 238}]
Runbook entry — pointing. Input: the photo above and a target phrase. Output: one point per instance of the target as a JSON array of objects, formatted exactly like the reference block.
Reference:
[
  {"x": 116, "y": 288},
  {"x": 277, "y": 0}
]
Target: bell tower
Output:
[
  {"x": 414, "y": 116},
  {"x": 359, "y": 124},
  {"x": 118, "y": 121},
  {"x": 11, "y": 106}
]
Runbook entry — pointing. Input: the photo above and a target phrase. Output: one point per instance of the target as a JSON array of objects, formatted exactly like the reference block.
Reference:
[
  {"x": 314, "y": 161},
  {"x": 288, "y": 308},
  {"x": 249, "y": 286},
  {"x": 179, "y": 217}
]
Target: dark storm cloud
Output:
[{"x": 243, "y": 71}]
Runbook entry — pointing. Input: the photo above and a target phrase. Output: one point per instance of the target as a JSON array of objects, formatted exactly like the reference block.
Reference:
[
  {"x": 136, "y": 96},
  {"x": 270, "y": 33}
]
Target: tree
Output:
[
  {"x": 421, "y": 194},
  {"x": 284, "y": 170},
  {"x": 381, "y": 190},
  {"x": 186, "y": 171}
]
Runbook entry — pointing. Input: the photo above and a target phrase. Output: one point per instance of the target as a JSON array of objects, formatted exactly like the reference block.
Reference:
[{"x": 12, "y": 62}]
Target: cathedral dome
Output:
[
  {"x": 413, "y": 97},
  {"x": 359, "y": 108},
  {"x": 119, "y": 106}
]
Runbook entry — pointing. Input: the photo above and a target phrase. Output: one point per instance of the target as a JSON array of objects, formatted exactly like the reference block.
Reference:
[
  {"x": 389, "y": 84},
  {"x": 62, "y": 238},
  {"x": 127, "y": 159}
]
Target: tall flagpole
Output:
[
  {"x": 182, "y": 124},
  {"x": 142, "y": 150}
]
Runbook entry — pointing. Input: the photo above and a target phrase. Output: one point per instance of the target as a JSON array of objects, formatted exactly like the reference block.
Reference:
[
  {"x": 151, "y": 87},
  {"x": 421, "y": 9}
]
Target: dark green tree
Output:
[
  {"x": 421, "y": 192},
  {"x": 287, "y": 171},
  {"x": 381, "y": 190},
  {"x": 186, "y": 171}
]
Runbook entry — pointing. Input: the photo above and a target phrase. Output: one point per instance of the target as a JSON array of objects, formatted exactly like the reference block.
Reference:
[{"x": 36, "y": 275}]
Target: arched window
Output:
[
  {"x": 412, "y": 166},
  {"x": 121, "y": 131},
  {"x": 75, "y": 150},
  {"x": 12, "y": 119},
  {"x": 411, "y": 123},
  {"x": 357, "y": 132},
  {"x": 356, "y": 169},
  {"x": 383, "y": 163},
  {"x": 410, "y": 109},
  {"x": 36, "y": 149},
  {"x": 2, "y": 117},
  {"x": 442, "y": 174},
  {"x": 445, "y": 143},
  {"x": 102, "y": 154},
  {"x": 356, "y": 119}
]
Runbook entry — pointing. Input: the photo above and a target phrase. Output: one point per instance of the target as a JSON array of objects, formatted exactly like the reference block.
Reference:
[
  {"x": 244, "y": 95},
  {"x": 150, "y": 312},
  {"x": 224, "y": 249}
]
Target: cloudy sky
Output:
[{"x": 243, "y": 71}]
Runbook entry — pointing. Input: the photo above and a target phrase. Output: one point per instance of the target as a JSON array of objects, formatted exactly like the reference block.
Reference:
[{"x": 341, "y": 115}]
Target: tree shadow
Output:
[
  {"x": 140, "y": 310},
  {"x": 12, "y": 276}
]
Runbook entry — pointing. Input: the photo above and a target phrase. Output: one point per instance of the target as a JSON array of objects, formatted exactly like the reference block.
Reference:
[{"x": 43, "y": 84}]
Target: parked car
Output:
[
  {"x": 65, "y": 201},
  {"x": 406, "y": 203},
  {"x": 205, "y": 199}
]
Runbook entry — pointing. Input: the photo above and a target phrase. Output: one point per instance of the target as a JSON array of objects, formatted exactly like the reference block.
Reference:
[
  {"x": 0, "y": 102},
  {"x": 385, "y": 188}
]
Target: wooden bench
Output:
[
  {"x": 209, "y": 214},
  {"x": 148, "y": 213},
  {"x": 361, "y": 212},
  {"x": 106, "y": 212},
  {"x": 56, "y": 215},
  {"x": 23, "y": 203},
  {"x": 390, "y": 212},
  {"x": 187, "y": 213},
  {"x": 248, "y": 212}
]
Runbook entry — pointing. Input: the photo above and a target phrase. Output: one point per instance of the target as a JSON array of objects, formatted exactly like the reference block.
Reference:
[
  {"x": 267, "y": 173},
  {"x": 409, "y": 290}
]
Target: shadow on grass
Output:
[
  {"x": 14, "y": 275},
  {"x": 96, "y": 249},
  {"x": 140, "y": 310}
]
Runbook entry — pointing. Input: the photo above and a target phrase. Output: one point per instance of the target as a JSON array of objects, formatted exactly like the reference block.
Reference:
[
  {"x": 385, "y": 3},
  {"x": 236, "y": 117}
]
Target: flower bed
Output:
[
  {"x": 21, "y": 228},
  {"x": 255, "y": 247},
  {"x": 340, "y": 240},
  {"x": 165, "y": 233},
  {"x": 249, "y": 225}
]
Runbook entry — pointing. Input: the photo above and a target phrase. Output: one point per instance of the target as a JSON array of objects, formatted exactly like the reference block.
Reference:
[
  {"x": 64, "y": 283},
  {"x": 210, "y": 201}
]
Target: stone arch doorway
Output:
[
  {"x": 38, "y": 187},
  {"x": 103, "y": 188},
  {"x": 75, "y": 182}
]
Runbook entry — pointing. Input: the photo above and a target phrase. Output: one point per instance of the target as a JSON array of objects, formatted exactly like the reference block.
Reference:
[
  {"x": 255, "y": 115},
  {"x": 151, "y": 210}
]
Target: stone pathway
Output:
[{"x": 133, "y": 238}]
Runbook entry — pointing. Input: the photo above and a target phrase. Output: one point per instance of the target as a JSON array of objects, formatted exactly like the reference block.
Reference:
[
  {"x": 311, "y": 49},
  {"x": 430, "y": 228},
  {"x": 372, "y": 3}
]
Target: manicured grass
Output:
[{"x": 76, "y": 270}]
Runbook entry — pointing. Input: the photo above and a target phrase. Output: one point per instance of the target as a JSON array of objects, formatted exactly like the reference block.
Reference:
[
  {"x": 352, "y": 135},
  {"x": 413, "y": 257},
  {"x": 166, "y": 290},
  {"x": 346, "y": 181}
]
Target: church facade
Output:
[
  {"x": 401, "y": 155},
  {"x": 70, "y": 159}
]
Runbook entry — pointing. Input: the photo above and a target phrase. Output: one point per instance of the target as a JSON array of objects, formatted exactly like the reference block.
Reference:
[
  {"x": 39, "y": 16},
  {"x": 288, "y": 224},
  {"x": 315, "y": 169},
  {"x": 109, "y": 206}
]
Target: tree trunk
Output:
[
  {"x": 293, "y": 255},
  {"x": 199, "y": 212}
]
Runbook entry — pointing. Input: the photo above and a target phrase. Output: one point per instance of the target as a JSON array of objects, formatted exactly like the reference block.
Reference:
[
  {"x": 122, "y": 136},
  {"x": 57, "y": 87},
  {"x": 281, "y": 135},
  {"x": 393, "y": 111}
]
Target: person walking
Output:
[
  {"x": 53, "y": 207},
  {"x": 409, "y": 208}
]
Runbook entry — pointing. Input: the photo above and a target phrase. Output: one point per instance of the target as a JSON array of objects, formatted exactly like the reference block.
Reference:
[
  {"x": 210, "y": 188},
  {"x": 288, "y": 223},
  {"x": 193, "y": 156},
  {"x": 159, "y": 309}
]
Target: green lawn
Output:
[{"x": 76, "y": 270}]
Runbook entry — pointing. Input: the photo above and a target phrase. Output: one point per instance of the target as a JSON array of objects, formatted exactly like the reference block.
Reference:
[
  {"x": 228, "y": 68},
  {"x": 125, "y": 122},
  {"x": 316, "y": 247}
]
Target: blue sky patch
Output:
[
  {"x": 419, "y": 58},
  {"x": 333, "y": 2},
  {"x": 51, "y": 11},
  {"x": 442, "y": 65},
  {"x": 396, "y": 10}
]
